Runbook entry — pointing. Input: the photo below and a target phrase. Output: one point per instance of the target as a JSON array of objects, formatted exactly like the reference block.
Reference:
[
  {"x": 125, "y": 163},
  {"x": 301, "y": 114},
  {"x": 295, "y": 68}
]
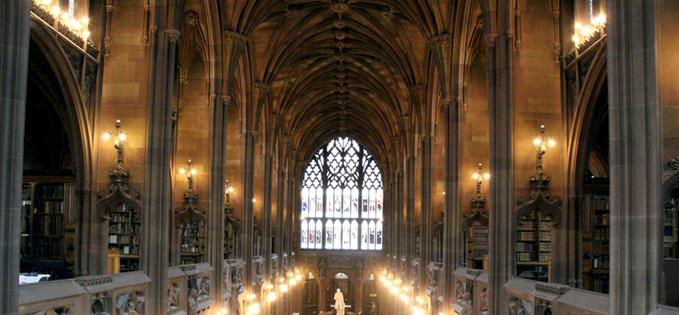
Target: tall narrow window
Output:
[{"x": 342, "y": 199}]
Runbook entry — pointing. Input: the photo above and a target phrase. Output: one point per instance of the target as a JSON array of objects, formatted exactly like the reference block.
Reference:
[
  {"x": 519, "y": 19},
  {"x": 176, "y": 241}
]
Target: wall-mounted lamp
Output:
[
  {"x": 189, "y": 171},
  {"x": 479, "y": 176},
  {"x": 478, "y": 202},
  {"x": 228, "y": 190},
  {"x": 119, "y": 138},
  {"x": 541, "y": 145}
]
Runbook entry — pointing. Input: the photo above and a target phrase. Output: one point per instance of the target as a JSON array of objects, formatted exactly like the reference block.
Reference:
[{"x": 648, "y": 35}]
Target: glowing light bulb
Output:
[
  {"x": 475, "y": 176},
  {"x": 86, "y": 34},
  {"x": 551, "y": 143},
  {"x": 578, "y": 25},
  {"x": 486, "y": 176},
  {"x": 283, "y": 288},
  {"x": 271, "y": 297},
  {"x": 537, "y": 142},
  {"x": 182, "y": 171},
  {"x": 230, "y": 189},
  {"x": 85, "y": 21},
  {"x": 106, "y": 135},
  {"x": 193, "y": 171},
  {"x": 56, "y": 10},
  {"x": 46, "y": 2},
  {"x": 65, "y": 16},
  {"x": 122, "y": 136},
  {"x": 576, "y": 39}
]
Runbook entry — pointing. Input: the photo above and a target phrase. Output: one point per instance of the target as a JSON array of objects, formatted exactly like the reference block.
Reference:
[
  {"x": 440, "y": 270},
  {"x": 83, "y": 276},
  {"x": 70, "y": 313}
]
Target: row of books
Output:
[
  {"x": 601, "y": 234},
  {"x": 52, "y": 191}
]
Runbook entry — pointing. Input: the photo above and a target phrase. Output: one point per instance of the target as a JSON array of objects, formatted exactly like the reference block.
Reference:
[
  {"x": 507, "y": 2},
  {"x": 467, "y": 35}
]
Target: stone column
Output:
[
  {"x": 247, "y": 230},
  {"x": 266, "y": 222},
  {"x": 425, "y": 203},
  {"x": 410, "y": 209},
  {"x": 280, "y": 201},
  {"x": 635, "y": 157},
  {"x": 502, "y": 205},
  {"x": 216, "y": 195},
  {"x": 14, "y": 38},
  {"x": 157, "y": 199},
  {"x": 451, "y": 224}
]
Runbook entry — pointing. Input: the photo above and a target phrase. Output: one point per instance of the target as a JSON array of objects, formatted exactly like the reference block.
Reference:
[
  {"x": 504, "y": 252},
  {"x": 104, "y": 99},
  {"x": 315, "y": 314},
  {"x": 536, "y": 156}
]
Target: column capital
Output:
[
  {"x": 232, "y": 37},
  {"x": 173, "y": 35}
]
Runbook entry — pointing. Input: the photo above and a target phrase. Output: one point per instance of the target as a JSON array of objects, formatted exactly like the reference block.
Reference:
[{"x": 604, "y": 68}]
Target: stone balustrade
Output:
[
  {"x": 120, "y": 293},
  {"x": 531, "y": 297},
  {"x": 188, "y": 290}
]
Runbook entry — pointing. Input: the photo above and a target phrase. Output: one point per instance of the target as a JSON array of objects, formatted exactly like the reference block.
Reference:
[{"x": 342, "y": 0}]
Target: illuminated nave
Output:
[{"x": 339, "y": 157}]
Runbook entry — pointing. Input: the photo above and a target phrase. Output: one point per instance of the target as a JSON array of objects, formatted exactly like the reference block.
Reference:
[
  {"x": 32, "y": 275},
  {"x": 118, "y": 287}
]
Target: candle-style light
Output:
[
  {"x": 119, "y": 138},
  {"x": 541, "y": 144},
  {"x": 190, "y": 172},
  {"x": 228, "y": 190}
]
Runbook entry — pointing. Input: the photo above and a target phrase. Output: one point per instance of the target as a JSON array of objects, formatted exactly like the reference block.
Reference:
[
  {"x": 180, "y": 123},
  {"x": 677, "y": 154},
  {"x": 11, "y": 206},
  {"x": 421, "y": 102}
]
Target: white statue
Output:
[{"x": 339, "y": 302}]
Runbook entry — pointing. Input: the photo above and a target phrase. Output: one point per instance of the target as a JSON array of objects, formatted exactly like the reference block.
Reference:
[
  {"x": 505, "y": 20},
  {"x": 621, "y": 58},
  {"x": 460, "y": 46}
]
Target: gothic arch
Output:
[{"x": 75, "y": 115}]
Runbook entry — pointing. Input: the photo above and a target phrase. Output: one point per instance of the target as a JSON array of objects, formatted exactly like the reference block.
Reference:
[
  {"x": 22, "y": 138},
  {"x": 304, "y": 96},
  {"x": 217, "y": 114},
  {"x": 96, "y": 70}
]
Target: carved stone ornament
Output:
[
  {"x": 173, "y": 294},
  {"x": 540, "y": 200},
  {"x": 483, "y": 304},
  {"x": 92, "y": 281},
  {"x": 520, "y": 307},
  {"x": 118, "y": 192},
  {"x": 672, "y": 164},
  {"x": 130, "y": 303}
]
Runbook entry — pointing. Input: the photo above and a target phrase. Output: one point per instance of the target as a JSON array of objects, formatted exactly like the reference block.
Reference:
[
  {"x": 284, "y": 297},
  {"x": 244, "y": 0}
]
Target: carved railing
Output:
[
  {"x": 121, "y": 293},
  {"x": 188, "y": 289},
  {"x": 233, "y": 283}
]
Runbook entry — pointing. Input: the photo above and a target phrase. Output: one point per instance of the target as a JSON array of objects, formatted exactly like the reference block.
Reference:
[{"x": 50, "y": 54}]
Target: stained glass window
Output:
[{"x": 342, "y": 199}]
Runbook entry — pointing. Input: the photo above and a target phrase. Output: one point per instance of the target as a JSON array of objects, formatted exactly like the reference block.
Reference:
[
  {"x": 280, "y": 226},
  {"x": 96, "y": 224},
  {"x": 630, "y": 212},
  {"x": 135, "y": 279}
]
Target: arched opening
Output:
[
  {"x": 51, "y": 162},
  {"x": 593, "y": 208},
  {"x": 310, "y": 297},
  {"x": 342, "y": 199}
]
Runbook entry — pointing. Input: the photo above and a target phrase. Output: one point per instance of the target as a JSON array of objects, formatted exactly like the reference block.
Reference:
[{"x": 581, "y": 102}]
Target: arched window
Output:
[{"x": 342, "y": 187}]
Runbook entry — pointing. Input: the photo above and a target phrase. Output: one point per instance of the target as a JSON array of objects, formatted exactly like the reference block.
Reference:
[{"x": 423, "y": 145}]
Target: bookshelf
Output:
[
  {"x": 47, "y": 221},
  {"x": 533, "y": 246},
  {"x": 477, "y": 245},
  {"x": 26, "y": 218},
  {"x": 596, "y": 235},
  {"x": 121, "y": 207},
  {"x": 671, "y": 226},
  {"x": 231, "y": 233},
  {"x": 124, "y": 236},
  {"x": 192, "y": 244}
]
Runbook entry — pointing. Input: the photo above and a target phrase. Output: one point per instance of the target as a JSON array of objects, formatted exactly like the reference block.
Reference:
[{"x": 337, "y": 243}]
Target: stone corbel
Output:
[{"x": 110, "y": 5}]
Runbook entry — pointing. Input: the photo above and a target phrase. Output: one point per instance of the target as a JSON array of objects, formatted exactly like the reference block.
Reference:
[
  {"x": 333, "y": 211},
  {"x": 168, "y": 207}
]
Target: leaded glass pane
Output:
[
  {"x": 331, "y": 193},
  {"x": 303, "y": 234}
]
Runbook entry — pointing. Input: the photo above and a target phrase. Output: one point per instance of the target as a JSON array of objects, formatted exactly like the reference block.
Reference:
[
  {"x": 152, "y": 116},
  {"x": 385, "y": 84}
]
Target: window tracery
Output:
[{"x": 342, "y": 199}]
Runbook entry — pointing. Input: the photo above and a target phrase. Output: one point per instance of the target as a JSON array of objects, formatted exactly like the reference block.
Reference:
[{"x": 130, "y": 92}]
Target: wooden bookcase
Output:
[
  {"x": 477, "y": 245},
  {"x": 595, "y": 216},
  {"x": 121, "y": 207},
  {"x": 533, "y": 247},
  {"x": 231, "y": 234},
  {"x": 45, "y": 205},
  {"x": 671, "y": 228},
  {"x": 192, "y": 242},
  {"x": 537, "y": 218},
  {"x": 124, "y": 236}
]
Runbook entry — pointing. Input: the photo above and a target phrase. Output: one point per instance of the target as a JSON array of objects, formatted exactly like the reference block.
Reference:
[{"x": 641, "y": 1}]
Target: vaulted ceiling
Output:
[{"x": 357, "y": 68}]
